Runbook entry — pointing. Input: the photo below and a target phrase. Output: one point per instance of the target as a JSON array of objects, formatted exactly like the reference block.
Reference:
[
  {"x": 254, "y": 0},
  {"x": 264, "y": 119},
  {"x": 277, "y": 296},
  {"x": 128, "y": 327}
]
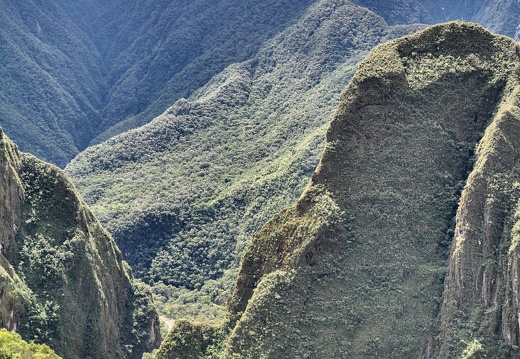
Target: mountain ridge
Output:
[
  {"x": 64, "y": 282},
  {"x": 356, "y": 268},
  {"x": 77, "y": 74},
  {"x": 237, "y": 186}
]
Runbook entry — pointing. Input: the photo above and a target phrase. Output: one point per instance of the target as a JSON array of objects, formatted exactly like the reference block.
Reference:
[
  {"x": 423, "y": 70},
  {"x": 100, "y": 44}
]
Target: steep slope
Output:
[
  {"x": 82, "y": 71},
  {"x": 50, "y": 80},
  {"x": 356, "y": 268},
  {"x": 71, "y": 70},
  {"x": 164, "y": 50},
  {"x": 63, "y": 279},
  {"x": 183, "y": 195},
  {"x": 481, "y": 310}
]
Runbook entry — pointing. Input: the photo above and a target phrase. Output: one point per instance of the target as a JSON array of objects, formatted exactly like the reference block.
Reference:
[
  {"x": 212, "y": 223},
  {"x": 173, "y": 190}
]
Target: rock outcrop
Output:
[{"x": 63, "y": 280}]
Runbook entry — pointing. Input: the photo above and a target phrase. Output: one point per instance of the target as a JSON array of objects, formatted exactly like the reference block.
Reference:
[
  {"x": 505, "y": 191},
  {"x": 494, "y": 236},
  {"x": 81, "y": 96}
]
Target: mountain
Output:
[
  {"x": 405, "y": 243},
  {"x": 184, "y": 194},
  {"x": 71, "y": 71},
  {"x": 77, "y": 73},
  {"x": 500, "y": 16},
  {"x": 50, "y": 80},
  {"x": 64, "y": 282},
  {"x": 13, "y": 346}
]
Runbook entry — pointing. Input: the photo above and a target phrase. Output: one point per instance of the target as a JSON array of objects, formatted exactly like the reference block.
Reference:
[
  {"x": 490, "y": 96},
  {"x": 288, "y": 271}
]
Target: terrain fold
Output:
[{"x": 63, "y": 280}]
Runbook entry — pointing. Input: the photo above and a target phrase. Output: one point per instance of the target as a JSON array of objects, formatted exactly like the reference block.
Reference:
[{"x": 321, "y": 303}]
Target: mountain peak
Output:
[{"x": 420, "y": 151}]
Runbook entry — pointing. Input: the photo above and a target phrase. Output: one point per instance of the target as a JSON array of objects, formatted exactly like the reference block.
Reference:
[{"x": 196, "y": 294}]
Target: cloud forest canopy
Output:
[
  {"x": 184, "y": 194},
  {"x": 421, "y": 151},
  {"x": 71, "y": 70}
]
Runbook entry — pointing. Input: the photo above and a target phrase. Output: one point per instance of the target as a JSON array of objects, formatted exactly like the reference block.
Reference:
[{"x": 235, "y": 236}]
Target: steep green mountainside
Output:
[
  {"x": 64, "y": 282},
  {"x": 71, "y": 70},
  {"x": 161, "y": 51},
  {"x": 184, "y": 194},
  {"x": 75, "y": 73},
  {"x": 50, "y": 80},
  {"x": 422, "y": 150}
]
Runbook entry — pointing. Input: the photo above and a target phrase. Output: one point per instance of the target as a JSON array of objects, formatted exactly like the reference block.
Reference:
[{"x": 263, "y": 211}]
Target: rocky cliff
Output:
[
  {"x": 63, "y": 279},
  {"x": 404, "y": 244}
]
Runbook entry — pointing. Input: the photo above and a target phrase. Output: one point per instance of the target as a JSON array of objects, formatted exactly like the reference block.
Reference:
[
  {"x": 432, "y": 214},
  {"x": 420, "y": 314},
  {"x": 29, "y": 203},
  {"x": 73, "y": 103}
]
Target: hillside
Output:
[
  {"x": 64, "y": 282},
  {"x": 50, "y": 80},
  {"x": 184, "y": 194},
  {"x": 418, "y": 171},
  {"x": 70, "y": 71},
  {"x": 76, "y": 73}
]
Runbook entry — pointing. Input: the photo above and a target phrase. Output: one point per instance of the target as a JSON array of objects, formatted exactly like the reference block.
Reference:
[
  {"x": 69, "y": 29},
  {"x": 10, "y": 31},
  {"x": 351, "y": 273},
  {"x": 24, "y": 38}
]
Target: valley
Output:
[{"x": 187, "y": 127}]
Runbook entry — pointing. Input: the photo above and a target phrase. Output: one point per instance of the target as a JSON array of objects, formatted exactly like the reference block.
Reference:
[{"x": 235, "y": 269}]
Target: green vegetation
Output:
[
  {"x": 12, "y": 346},
  {"x": 184, "y": 194},
  {"x": 64, "y": 283},
  {"x": 357, "y": 267},
  {"x": 71, "y": 70},
  {"x": 82, "y": 71}
]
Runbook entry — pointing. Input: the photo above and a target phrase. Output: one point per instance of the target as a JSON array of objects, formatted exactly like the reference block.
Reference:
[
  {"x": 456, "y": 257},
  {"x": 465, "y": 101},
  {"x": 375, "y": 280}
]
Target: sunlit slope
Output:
[
  {"x": 183, "y": 195},
  {"x": 356, "y": 268}
]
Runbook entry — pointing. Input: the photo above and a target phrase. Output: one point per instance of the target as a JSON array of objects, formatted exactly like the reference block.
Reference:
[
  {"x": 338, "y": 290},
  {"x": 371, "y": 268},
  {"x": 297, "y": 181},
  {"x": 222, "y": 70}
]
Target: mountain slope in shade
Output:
[
  {"x": 73, "y": 70},
  {"x": 356, "y": 268},
  {"x": 76, "y": 73},
  {"x": 50, "y": 79},
  {"x": 63, "y": 279}
]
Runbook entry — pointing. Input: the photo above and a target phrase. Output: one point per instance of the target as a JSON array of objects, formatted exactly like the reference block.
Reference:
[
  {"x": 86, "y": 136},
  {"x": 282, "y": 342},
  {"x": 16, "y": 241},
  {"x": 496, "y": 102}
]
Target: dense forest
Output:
[
  {"x": 184, "y": 194},
  {"x": 186, "y": 127}
]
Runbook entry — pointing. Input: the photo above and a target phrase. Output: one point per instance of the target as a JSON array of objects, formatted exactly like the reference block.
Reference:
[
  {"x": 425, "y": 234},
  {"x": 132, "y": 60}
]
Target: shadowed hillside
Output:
[
  {"x": 184, "y": 194},
  {"x": 76, "y": 73}
]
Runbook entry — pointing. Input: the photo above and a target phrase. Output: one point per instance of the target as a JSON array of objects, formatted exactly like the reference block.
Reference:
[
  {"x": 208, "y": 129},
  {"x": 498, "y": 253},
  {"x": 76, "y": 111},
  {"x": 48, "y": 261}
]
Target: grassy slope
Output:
[
  {"x": 64, "y": 281},
  {"x": 356, "y": 268},
  {"x": 184, "y": 194}
]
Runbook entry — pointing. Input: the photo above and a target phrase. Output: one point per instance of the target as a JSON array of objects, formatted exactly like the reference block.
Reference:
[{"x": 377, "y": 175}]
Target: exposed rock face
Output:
[
  {"x": 63, "y": 279},
  {"x": 357, "y": 268},
  {"x": 481, "y": 295}
]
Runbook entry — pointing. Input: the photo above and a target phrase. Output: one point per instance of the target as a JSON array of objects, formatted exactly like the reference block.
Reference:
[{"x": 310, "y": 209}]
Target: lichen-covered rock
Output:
[{"x": 63, "y": 281}]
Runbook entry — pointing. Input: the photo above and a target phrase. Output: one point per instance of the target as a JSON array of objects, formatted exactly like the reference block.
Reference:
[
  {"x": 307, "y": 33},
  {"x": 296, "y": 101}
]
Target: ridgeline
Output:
[{"x": 418, "y": 171}]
